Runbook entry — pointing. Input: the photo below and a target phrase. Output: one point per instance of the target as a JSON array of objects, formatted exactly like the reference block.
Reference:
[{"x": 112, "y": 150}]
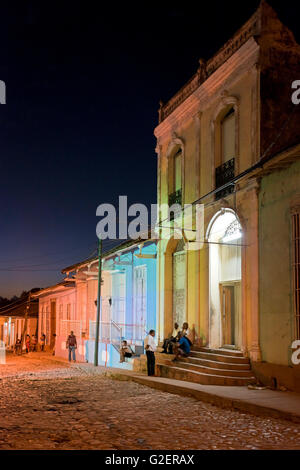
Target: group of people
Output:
[
  {"x": 31, "y": 344},
  {"x": 179, "y": 343},
  {"x": 150, "y": 347}
]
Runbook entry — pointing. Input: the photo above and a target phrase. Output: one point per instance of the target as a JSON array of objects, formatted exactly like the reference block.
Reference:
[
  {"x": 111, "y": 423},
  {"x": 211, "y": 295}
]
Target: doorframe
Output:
[
  {"x": 136, "y": 327},
  {"x": 240, "y": 325},
  {"x": 53, "y": 321},
  {"x": 174, "y": 254}
]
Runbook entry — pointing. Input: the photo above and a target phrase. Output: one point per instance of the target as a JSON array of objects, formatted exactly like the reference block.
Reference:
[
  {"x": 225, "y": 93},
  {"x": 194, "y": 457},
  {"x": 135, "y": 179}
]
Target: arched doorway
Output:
[{"x": 225, "y": 275}]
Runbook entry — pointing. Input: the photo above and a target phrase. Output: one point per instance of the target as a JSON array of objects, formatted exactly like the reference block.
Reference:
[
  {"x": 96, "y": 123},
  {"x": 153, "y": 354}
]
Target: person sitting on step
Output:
[
  {"x": 187, "y": 333},
  {"x": 169, "y": 342},
  {"x": 182, "y": 348},
  {"x": 125, "y": 351}
]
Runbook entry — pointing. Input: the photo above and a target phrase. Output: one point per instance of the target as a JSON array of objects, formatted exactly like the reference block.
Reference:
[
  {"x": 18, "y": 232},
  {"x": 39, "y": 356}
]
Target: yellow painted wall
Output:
[{"x": 278, "y": 191}]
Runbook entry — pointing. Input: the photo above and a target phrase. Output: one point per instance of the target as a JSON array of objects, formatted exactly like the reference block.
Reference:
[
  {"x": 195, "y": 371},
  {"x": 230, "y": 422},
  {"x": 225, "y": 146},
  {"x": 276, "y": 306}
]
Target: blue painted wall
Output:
[
  {"x": 128, "y": 270},
  {"x": 150, "y": 264}
]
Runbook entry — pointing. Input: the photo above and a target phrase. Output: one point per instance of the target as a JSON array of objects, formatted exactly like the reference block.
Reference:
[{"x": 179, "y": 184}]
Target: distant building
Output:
[
  {"x": 128, "y": 300},
  {"x": 57, "y": 315},
  {"x": 18, "y": 319},
  {"x": 128, "y": 303}
]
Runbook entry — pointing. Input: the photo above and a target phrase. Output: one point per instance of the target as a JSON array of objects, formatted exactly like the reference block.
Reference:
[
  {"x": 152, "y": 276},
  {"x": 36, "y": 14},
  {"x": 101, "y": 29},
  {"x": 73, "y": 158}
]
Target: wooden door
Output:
[
  {"x": 140, "y": 302},
  {"x": 52, "y": 323},
  {"x": 228, "y": 315}
]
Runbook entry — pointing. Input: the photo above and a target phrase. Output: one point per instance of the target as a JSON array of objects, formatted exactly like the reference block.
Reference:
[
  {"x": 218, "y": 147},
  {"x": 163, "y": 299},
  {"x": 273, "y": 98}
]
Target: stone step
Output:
[
  {"x": 163, "y": 370},
  {"x": 219, "y": 357},
  {"x": 217, "y": 364},
  {"x": 222, "y": 351},
  {"x": 212, "y": 371}
]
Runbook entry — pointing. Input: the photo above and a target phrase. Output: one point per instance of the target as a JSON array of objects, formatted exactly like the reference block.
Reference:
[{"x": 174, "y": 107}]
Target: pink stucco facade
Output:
[{"x": 72, "y": 306}]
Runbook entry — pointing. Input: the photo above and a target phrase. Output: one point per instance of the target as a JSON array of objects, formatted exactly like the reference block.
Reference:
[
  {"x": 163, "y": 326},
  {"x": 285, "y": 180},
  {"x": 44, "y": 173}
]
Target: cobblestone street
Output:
[{"x": 48, "y": 405}]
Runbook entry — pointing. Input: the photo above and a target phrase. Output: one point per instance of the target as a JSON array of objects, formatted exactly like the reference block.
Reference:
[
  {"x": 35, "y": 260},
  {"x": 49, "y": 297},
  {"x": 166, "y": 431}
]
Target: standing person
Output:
[
  {"x": 27, "y": 343},
  {"x": 150, "y": 347},
  {"x": 33, "y": 343},
  {"x": 72, "y": 346},
  {"x": 54, "y": 344},
  {"x": 18, "y": 347},
  {"x": 42, "y": 342}
]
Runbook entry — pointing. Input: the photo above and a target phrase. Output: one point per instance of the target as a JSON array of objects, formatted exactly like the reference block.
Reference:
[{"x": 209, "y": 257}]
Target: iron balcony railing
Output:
[
  {"x": 224, "y": 174},
  {"x": 175, "y": 198},
  {"x": 114, "y": 333}
]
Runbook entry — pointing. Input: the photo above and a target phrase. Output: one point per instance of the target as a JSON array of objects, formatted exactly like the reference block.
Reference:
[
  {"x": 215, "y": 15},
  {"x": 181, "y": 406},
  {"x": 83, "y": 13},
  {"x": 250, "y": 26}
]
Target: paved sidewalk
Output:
[{"x": 284, "y": 405}]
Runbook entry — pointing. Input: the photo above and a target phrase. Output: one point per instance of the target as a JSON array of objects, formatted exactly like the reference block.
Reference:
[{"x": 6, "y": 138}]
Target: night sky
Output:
[{"x": 83, "y": 86}]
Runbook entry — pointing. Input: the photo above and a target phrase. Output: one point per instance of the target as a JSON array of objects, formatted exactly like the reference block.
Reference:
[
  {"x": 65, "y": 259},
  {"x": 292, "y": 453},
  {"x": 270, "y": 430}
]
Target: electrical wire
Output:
[
  {"x": 43, "y": 256},
  {"x": 28, "y": 268},
  {"x": 114, "y": 243}
]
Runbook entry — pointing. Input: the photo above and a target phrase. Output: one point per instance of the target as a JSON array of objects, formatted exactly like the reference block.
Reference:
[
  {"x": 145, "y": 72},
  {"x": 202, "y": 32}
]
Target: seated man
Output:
[
  {"x": 168, "y": 342},
  {"x": 182, "y": 348},
  {"x": 125, "y": 351}
]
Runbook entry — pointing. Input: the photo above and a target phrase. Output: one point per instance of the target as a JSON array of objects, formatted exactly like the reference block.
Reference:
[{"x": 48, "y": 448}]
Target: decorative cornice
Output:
[
  {"x": 206, "y": 69},
  {"x": 218, "y": 83},
  {"x": 251, "y": 28}
]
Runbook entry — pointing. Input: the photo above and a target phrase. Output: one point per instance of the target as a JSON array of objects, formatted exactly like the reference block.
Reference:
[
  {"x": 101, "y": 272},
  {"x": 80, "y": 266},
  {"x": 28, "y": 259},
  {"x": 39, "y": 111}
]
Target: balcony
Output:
[
  {"x": 175, "y": 198},
  {"x": 225, "y": 174}
]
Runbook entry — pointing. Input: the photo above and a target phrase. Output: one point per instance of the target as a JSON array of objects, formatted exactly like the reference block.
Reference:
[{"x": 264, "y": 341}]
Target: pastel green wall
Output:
[{"x": 276, "y": 302}]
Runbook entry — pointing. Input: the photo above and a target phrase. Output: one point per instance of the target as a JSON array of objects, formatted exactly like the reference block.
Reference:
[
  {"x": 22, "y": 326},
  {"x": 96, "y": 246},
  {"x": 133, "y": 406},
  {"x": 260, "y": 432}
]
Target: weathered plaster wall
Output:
[{"x": 276, "y": 303}]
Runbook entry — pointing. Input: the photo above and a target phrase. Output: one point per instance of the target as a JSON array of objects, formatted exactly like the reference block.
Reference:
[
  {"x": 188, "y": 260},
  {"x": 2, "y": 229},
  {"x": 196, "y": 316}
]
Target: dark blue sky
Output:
[{"x": 83, "y": 85}]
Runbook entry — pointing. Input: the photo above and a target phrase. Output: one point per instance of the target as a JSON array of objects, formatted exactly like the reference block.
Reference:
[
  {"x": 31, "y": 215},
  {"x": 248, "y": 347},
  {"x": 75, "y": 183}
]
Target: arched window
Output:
[
  {"x": 228, "y": 136},
  {"x": 175, "y": 179},
  {"x": 225, "y": 157},
  {"x": 177, "y": 172}
]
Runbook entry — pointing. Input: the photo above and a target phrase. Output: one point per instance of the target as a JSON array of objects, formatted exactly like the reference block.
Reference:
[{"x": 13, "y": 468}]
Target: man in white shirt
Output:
[
  {"x": 150, "y": 347},
  {"x": 168, "y": 342}
]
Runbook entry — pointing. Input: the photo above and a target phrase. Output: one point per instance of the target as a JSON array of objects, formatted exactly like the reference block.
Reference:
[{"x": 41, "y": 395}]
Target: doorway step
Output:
[{"x": 208, "y": 367}]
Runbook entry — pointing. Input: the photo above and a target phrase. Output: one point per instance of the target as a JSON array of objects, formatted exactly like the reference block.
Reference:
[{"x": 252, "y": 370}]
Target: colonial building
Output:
[
  {"x": 213, "y": 139},
  {"x": 128, "y": 299},
  {"x": 128, "y": 303},
  {"x": 57, "y": 316},
  {"x": 19, "y": 319}
]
